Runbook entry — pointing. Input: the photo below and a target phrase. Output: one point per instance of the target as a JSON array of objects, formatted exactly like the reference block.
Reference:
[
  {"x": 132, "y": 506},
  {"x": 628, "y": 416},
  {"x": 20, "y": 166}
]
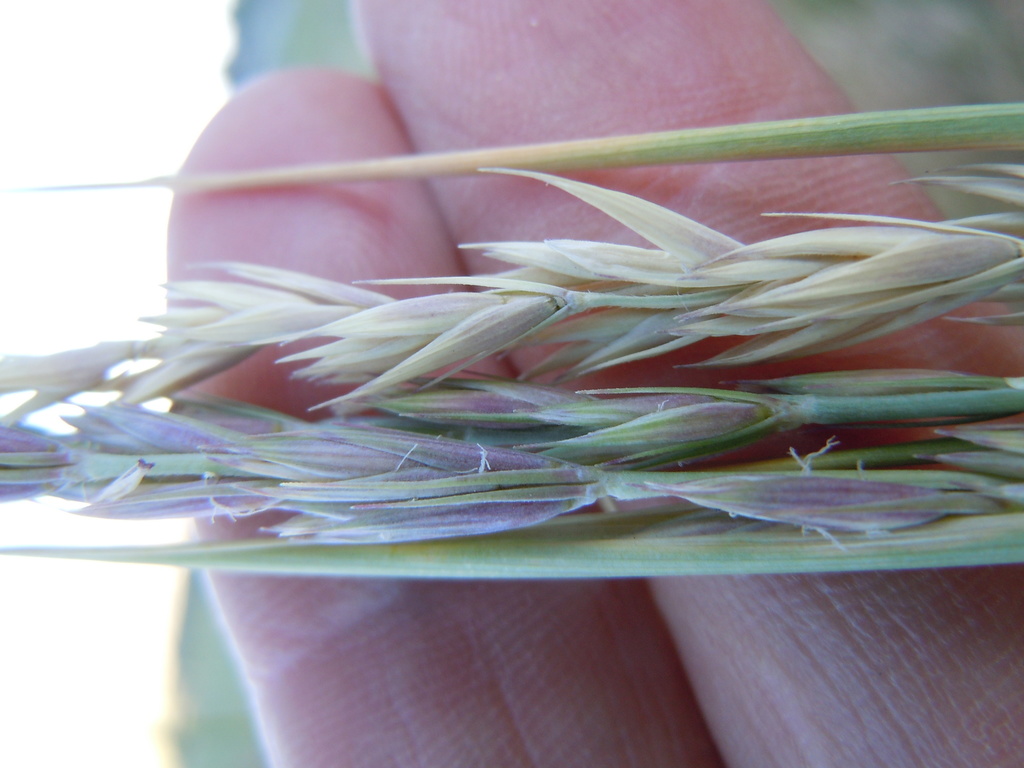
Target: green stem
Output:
[
  {"x": 991, "y": 126},
  {"x": 569, "y": 551},
  {"x": 985, "y": 404}
]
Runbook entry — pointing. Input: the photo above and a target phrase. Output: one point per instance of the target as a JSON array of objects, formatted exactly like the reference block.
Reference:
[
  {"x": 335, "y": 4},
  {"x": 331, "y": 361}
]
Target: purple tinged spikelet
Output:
[
  {"x": 182, "y": 500},
  {"x": 838, "y": 504},
  {"x": 147, "y": 429},
  {"x": 31, "y": 465},
  {"x": 1002, "y": 437},
  {"x": 20, "y": 448},
  {"x": 669, "y": 429}
]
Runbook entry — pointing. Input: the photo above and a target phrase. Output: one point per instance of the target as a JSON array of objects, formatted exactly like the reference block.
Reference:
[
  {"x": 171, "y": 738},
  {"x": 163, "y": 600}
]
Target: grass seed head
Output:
[{"x": 832, "y": 504}]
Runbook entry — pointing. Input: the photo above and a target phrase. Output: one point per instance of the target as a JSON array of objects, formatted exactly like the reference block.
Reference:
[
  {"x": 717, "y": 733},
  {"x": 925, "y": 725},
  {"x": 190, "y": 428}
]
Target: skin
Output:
[{"x": 896, "y": 669}]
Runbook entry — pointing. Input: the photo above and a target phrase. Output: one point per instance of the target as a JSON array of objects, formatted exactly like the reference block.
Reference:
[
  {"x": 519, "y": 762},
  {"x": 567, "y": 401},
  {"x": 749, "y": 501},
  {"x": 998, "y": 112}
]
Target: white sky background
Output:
[{"x": 90, "y": 91}]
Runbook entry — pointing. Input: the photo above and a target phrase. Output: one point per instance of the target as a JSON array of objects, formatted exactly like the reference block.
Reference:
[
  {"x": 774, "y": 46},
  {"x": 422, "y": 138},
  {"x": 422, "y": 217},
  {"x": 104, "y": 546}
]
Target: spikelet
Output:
[
  {"x": 922, "y": 276},
  {"x": 350, "y": 483},
  {"x": 595, "y": 305}
]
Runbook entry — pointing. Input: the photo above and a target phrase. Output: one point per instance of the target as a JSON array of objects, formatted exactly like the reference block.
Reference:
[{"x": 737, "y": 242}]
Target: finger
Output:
[
  {"x": 896, "y": 669},
  {"x": 525, "y": 71},
  {"x": 369, "y": 673},
  {"x": 716, "y": 62},
  {"x": 390, "y": 672}
]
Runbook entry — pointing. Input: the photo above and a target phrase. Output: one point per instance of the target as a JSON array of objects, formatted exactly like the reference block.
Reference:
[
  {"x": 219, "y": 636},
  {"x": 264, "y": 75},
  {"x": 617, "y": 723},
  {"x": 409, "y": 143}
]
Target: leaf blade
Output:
[{"x": 610, "y": 549}]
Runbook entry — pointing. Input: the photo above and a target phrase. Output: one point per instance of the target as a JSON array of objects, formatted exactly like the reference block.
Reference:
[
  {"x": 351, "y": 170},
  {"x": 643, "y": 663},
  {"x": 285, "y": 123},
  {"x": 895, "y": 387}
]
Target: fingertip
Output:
[{"x": 287, "y": 119}]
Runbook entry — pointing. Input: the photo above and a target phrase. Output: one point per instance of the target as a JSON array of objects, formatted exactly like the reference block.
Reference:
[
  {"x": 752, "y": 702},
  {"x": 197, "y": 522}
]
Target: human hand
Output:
[{"x": 917, "y": 668}]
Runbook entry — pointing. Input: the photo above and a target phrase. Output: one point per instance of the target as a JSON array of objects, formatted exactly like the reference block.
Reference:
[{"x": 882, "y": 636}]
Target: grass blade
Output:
[
  {"x": 606, "y": 547},
  {"x": 990, "y": 126}
]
